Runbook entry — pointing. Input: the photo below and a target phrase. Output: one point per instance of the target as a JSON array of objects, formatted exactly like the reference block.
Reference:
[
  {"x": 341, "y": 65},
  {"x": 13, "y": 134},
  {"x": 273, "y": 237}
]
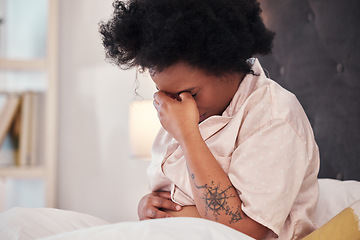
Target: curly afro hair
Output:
[{"x": 217, "y": 36}]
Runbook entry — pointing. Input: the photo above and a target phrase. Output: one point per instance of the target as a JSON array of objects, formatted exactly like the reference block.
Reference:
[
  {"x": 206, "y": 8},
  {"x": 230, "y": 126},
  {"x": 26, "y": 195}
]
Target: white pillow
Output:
[
  {"x": 34, "y": 223},
  {"x": 335, "y": 196}
]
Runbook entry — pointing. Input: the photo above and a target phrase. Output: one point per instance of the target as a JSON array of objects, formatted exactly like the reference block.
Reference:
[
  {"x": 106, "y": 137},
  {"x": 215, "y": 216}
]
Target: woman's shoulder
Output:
[
  {"x": 271, "y": 99},
  {"x": 270, "y": 102}
]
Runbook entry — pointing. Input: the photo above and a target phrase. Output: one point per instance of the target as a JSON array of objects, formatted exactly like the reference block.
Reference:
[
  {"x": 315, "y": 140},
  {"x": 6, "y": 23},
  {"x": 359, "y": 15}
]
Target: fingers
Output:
[
  {"x": 158, "y": 99},
  {"x": 166, "y": 195},
  {"x": 162, "y": 101},
  {"x": 151, "y": 205},
  {"x": 185, "y": 96},
  {"x": 161, "y": 97},
  {"x": 165, "y": 203},
  {"x": 153, "y": 213}
]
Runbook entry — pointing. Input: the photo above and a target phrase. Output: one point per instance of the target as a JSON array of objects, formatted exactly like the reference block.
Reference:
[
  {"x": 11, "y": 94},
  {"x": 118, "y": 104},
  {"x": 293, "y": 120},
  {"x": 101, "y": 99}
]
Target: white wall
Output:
[{"x": 95, "y": 172}]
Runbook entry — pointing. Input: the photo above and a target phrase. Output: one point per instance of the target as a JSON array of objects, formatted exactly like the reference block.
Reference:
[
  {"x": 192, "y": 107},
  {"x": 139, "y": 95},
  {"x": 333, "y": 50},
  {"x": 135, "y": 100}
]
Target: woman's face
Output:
[{"x": 212, "y": 94}]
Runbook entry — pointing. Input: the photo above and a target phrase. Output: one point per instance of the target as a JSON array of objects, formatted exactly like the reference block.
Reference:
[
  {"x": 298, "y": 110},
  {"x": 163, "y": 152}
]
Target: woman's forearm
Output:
[{"x": 215, "y": 197}]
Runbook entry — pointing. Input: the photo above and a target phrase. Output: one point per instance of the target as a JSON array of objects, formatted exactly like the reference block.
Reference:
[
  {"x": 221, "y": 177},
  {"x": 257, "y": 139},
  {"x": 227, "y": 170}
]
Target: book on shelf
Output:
[
  {"x": 9, "y": 110},
  {"x": 21, "y": 136},
  {"x": 37, "y": 128}
]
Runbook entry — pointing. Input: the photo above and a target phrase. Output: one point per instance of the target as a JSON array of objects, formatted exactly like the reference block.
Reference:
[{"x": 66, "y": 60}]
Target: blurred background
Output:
[
  {"x": 87, "y": 116},
  {"x": 85, "y": 161}
]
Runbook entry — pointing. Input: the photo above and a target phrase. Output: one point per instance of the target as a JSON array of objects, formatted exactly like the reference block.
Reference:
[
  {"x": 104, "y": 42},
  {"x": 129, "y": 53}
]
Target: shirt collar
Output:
[
  {"x": 215, "y": 123},
  {"x": 246, "y": 88}
]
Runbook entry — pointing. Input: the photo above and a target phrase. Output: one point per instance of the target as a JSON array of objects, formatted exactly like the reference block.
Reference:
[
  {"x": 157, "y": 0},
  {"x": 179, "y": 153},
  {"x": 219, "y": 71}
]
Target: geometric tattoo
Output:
[{"x": 216, "y": 200}]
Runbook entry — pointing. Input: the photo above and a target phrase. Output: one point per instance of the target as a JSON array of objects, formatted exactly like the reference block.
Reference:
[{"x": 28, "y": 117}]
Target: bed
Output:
[
  {"x": 323, "y": 71},
  {"x": 56, "y": 224}
]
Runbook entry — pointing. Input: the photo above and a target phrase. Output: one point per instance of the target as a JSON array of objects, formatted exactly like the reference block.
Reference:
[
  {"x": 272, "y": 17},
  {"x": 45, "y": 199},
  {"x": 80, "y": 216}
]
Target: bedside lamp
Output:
[{"x": 144, "y": 125}]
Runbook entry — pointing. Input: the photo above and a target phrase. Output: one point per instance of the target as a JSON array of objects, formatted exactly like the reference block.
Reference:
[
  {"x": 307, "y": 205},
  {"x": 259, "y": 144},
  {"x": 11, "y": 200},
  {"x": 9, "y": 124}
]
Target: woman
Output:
[{"x": 234, "y": 147}]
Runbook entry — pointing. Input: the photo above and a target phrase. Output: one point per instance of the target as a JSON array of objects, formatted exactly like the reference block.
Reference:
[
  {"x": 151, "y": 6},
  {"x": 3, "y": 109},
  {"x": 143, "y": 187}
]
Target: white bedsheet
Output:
[
  {"x": 55, "y": 224},
  {"x": 159, "y": 229},
  {"x": 34, "y": 223}
]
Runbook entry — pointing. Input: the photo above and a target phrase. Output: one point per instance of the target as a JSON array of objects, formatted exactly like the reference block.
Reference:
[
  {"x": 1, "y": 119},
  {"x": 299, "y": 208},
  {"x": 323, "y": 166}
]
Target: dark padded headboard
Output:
[{"x": 316, "y": 55}]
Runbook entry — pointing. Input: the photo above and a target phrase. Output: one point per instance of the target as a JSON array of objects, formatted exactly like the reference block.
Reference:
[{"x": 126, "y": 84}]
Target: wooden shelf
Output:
[
  {"x": 49, "y": 65},
  {"x": 13, "y": 64},
  {"x": 22, "y": 172}
]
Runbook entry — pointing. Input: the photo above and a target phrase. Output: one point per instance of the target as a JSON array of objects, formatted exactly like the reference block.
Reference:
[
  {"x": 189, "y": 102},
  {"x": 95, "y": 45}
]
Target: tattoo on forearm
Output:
[{"x": 216, "y": 201}]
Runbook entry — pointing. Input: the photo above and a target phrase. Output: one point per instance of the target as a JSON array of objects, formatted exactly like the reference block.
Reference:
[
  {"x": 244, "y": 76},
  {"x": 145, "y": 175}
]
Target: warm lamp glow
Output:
[{"x": 144, "y": 125}]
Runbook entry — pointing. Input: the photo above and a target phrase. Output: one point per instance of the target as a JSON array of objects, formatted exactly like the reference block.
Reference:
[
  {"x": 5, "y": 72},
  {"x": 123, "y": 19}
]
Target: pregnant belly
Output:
[{"x": 187, "y": 211}]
